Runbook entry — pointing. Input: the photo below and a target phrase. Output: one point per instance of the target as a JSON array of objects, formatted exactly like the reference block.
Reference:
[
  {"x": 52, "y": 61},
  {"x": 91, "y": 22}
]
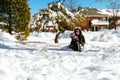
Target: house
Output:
[
  {"x": 114, "y": 17},
  {"x": 97, "y": 21},
  {"x": 100, "y": 19},
  {"x": 98, "y": 25}
]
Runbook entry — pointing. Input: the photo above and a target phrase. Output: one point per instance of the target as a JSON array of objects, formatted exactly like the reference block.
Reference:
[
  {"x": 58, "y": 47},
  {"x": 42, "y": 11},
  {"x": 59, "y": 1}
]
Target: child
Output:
[{"x": 77, "y": 40}]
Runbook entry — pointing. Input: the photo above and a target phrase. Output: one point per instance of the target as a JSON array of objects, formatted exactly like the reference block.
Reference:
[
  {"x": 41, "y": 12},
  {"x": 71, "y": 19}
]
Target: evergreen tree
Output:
[
  {"x": 16, "y": 14},
  {"x": 23, "y": 18}
]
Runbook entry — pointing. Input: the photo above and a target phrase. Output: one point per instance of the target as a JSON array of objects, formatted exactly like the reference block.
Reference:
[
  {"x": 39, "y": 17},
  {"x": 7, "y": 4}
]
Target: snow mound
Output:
[
  {"x": 39, "y": 46},
  {"x": 42, "y": 37},
  {"x": 10, "y": 69},
  {"x": 105, "y": 37},
  {"x": 100, "y": 59},
  {"x": 118, "y": 29},
  {"x": 7, "y": 40},
  {"x": 6, "y": 37},
  {"x": 64, "y": 35}
]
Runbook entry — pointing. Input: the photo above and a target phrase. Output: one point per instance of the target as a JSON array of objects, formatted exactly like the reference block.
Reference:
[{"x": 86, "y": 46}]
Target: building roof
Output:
[
  {"x": 93, "y": 12},
  {"x": 101, "y": 12}
]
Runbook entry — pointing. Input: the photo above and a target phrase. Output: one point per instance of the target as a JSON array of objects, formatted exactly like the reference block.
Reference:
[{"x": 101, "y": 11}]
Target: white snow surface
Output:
[
  {"x": 40, "y": 58},
  {"x": 98, "y": 22},
  {"x": 110, "y": 12}
]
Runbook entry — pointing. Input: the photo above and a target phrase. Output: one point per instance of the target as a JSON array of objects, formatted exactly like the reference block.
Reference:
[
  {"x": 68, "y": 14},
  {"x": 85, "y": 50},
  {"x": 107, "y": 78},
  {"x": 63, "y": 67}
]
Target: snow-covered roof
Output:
[
  {"x": 109, "y": 12},
  {"x": 98, "y": 22}
]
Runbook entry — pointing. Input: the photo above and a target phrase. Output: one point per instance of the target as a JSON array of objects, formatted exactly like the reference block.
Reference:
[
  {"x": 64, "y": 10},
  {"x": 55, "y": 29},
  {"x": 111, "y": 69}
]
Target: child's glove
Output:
[{"x": 82, "y": 44}]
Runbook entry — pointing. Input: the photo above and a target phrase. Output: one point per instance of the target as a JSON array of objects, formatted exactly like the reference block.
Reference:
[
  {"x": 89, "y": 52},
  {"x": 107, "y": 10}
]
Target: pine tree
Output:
[
  {"x": 6, "y": 10},
  {"x": 23, "y": 18},
  {"x": 17, "y": 14}
]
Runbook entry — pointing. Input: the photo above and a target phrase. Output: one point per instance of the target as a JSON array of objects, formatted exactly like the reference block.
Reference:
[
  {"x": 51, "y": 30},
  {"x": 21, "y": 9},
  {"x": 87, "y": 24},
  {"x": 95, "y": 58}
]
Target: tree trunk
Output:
[
  {"x": 57, "y": 36},
  {"x": 114, "y": 22},
  {"x": 10, "y": 24}
]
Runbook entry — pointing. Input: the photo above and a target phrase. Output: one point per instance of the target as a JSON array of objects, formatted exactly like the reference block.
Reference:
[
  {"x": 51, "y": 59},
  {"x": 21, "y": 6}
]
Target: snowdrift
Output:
[
  {"x": 6, "y": 37},
  {"x": 99, "y": 60},
  {"x": 105, "y": 37},
  {"x": 10, "y": 69}
]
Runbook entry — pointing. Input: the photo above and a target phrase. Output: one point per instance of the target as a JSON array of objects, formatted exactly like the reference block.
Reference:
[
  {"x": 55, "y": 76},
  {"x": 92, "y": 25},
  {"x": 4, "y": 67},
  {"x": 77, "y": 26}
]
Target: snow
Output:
[
  {"x": 50, "y": 23},
  {"x": 40, "y": 58},
  {"x": 2, "y": 23},
  {"x": 10, "y": 69},
  {"x": 6, "y": 37},
  {"x": 98, "y": 22},
  {"x": 54, "y": 14},
  {"x": 109, "y": 12},
  {"x": 69, "y": 13},
  {"x": 59, "y": 4},
  {"x": 105, "y": 37}
]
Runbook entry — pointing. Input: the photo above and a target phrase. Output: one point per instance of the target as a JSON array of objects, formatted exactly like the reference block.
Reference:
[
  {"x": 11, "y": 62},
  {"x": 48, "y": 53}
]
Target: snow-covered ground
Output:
[{"x": 40, "y": 59}]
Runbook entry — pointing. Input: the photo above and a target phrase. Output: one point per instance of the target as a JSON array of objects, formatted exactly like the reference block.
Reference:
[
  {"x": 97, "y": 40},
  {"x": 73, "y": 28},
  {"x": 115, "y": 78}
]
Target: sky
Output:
[{"x": 36, "y": 5}]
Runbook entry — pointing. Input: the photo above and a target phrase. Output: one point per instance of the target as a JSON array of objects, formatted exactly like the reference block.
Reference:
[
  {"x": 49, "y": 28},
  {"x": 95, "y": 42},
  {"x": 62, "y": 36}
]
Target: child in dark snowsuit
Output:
[{"x": 77, "y": 41}]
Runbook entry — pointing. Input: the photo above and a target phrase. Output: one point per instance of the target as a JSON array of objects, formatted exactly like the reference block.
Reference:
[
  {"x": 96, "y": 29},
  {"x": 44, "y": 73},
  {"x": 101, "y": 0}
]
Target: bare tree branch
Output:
[{"x": 72, "y": 4}]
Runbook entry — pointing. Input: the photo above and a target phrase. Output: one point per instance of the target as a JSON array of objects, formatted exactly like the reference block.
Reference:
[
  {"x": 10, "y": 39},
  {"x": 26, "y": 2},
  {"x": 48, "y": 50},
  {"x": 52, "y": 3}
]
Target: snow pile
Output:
[
  {"x": 99, "y": 60},
  {"x": 105, "y": 37},
  {"x": 6, "y": 40},
  {"x": 66, "y": 34},
  {"x": 42, "y": 37},
  {"x": 6, "y": 37},
  {"x": 118, "y": 29},
  {"x": 10, "y": 69},
  {"x": 9, "y": 42}
]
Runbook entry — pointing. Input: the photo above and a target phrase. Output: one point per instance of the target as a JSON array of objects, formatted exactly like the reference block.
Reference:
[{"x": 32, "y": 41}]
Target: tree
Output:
[
  {"x": 61, "y": 17},
  {"x": 7, "y": 10},
  {"x": 115, "y": 8},
  {"x": 16, "y": 14},
  {"x": 72, "y": 4},
  {"x": 67, "y": 22},
  {"x": 23, "y": 19}
]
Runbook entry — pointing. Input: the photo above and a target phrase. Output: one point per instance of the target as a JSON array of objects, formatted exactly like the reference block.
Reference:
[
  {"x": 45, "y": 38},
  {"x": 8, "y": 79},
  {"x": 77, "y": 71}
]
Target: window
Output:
[{"x": 103, "y": 18}]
